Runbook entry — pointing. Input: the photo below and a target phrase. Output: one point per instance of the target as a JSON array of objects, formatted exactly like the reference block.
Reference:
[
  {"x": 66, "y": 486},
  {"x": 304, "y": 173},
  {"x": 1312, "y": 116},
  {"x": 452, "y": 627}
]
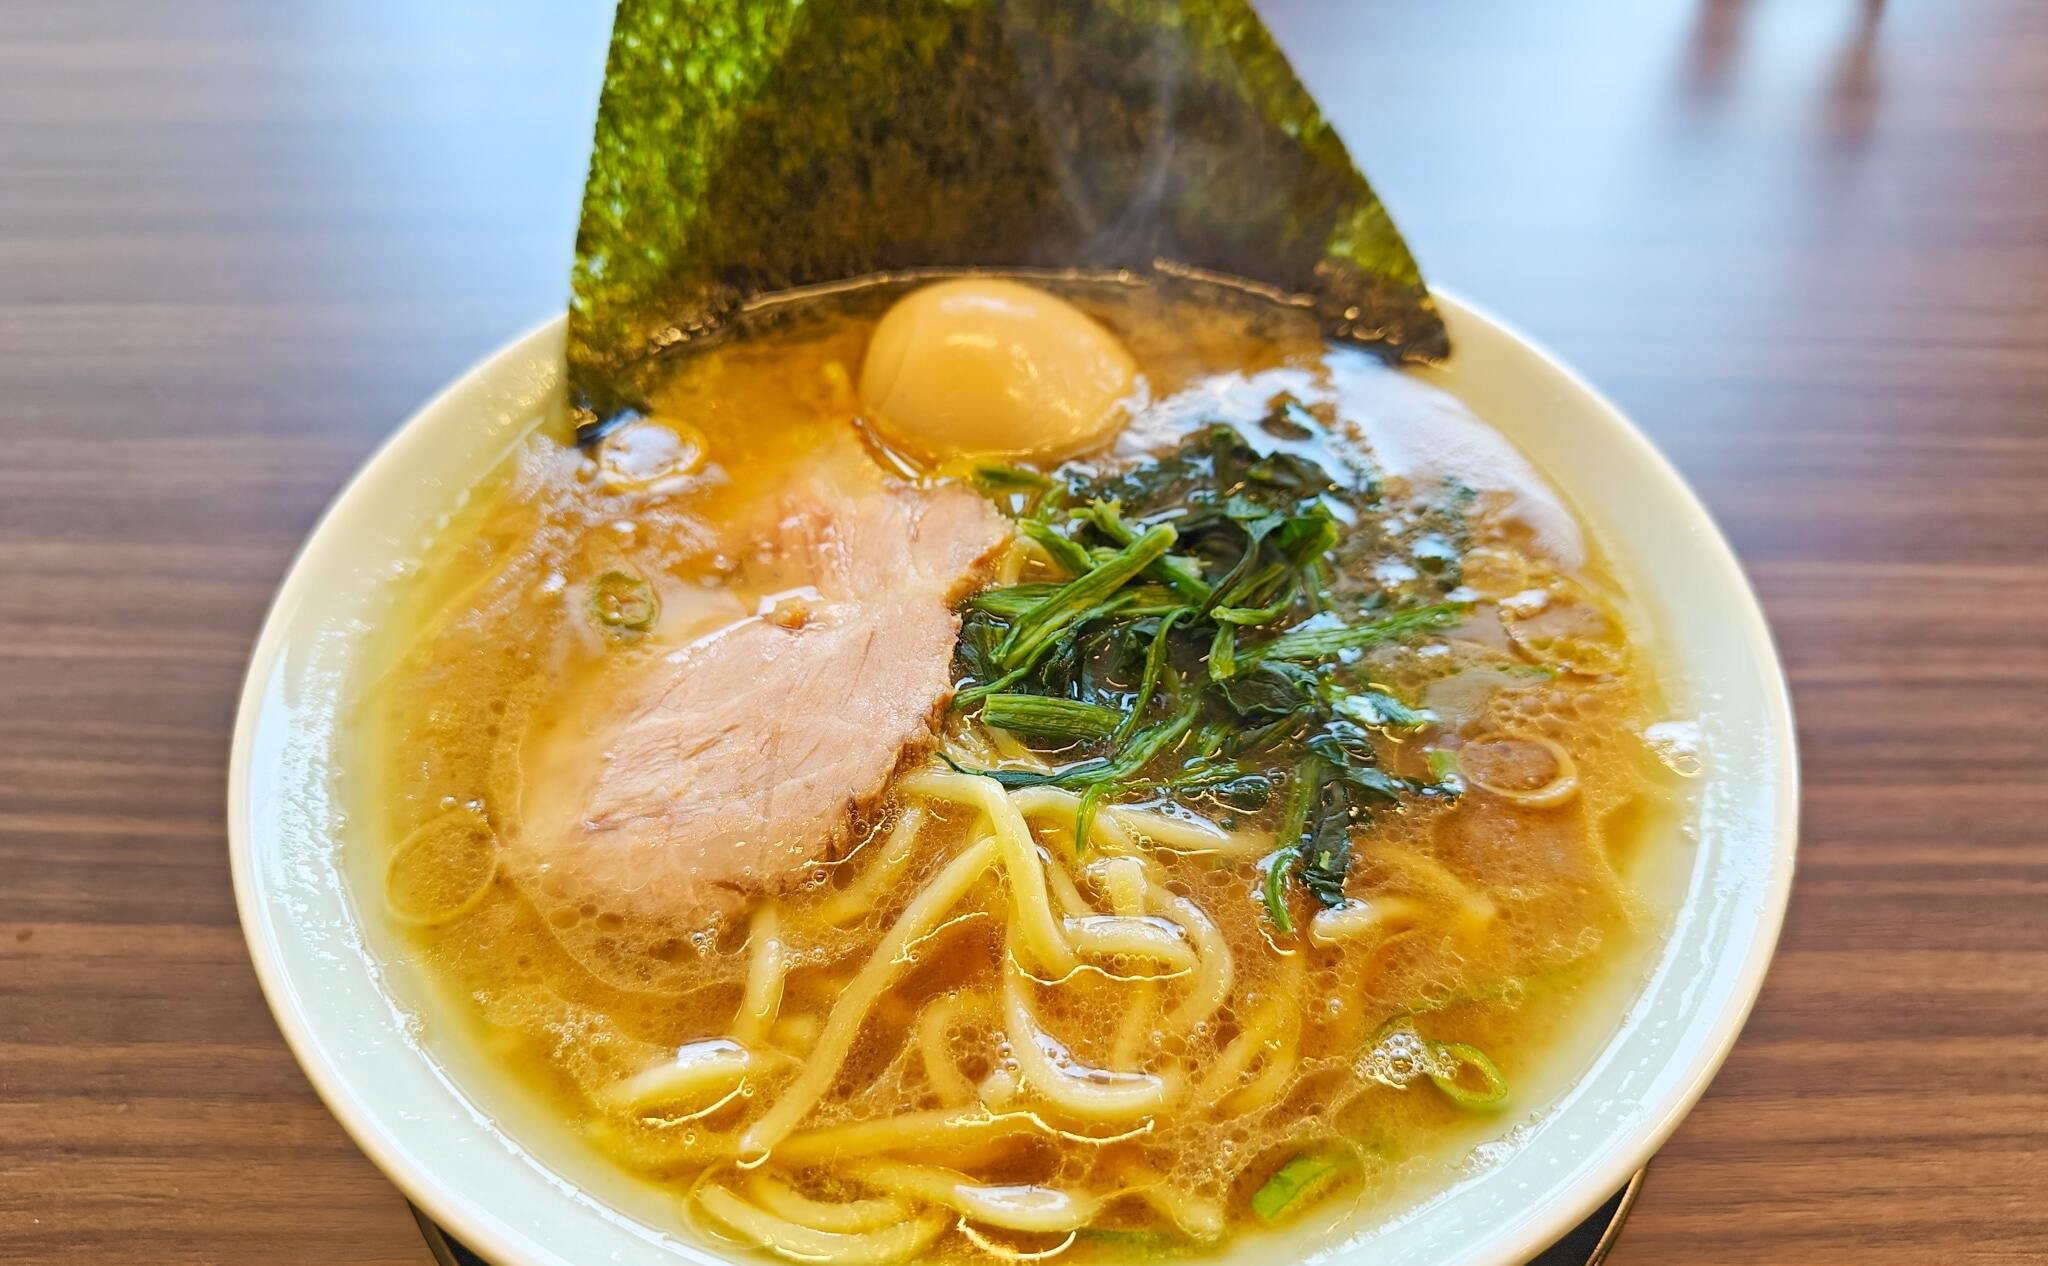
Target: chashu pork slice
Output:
[{"x": 733, "y": 765}]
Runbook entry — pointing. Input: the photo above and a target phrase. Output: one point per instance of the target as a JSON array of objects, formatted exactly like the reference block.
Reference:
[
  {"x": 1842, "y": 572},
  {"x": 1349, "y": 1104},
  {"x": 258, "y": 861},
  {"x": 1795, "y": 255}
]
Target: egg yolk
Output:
[{"x": 984, "y": 367}]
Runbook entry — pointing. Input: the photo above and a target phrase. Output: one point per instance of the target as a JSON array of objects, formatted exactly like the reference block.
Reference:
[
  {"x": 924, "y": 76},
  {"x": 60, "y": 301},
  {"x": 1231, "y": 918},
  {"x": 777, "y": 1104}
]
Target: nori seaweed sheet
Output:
[{"x": 746, "y": 147}]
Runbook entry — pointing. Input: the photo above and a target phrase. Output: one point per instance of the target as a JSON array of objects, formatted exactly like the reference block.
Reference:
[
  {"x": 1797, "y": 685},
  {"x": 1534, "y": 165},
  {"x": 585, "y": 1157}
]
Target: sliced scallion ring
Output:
[
  {"x": 620, "y": 600},
  {"x": 1300, "y": 1181},
  {"x": 1456, "y": 1057}
]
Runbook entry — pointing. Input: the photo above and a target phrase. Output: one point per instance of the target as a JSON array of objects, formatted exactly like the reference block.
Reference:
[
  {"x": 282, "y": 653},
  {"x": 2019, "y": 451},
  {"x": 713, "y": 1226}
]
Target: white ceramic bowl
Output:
[{"x": 422, "y": 1118}]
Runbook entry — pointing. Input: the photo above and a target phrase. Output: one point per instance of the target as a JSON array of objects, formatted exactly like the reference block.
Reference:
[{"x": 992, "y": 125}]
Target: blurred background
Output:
[{"x": 1804, "y": 243}]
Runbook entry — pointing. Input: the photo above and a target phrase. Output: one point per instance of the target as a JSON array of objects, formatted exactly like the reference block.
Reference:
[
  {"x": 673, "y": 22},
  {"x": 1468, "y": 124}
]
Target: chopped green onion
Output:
[
  {"x": 1254, "y": 615},
  {"x": 1153, "y": 739},
  {"x": 974, "y": 694},
  {"x": 1223, "y": 653},
  {"x": 1274, "y": 888},
  {"x": 1007, "y": 602},
  {"x": 1203, "y": 771},
  {"x": 1493, "y": 1098},
  {"x": 1011, "y": 478},
  {"x": 1149, "y": 595},
  {"x": 1148, "y": 743},
  {"x": 1299, "y": 1181},
  {"x": 1307, "y": 787},
  {"x": 1443, "y": 766},
  {"x": 1036, "y": 629},
  {"x": 1142, "y": 1243},
  {"x": 1374, "y": 783},
  {"x": 1378, "y": 709},
  {"x": 1315, "y": 584},
  {"x": 1305, "y": 540},
  {"x": 987, "y": 688},
  {"x": 1084, "y": 816},
  {"x": 1326, "y": 643},
  {"x": 623, "y": 601},
  {"x": 1301, "y": 797},
  {"x": 1232, "y": 588},
  {"x": 1272, "y": 585},
  {"x": 1045, "y": 717},
  {"x": 1078, "y": 774},
  {"x": 1067, "y": 553},
  {"x": 1181, "y": 575},
  {"x": 1155, "y": 664},
  {"x": 1015, "y": 490},
  {"x": 1107, "y": 518},
  {"x": 1209, "y": 740}
]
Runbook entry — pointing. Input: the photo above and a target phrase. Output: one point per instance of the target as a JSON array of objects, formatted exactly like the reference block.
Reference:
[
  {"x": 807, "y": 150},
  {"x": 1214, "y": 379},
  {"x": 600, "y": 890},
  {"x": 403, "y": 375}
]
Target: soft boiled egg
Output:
[{"x": 984, "y": 367}]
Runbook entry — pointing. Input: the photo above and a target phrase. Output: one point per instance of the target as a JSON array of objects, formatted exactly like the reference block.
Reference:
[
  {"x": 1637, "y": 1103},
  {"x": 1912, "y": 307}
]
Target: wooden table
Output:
[{"x": 1804, "y": 244}]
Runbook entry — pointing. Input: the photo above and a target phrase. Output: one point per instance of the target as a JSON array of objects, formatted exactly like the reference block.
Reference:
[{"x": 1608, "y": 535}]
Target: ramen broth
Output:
[{"x": 961, "y": 1034}]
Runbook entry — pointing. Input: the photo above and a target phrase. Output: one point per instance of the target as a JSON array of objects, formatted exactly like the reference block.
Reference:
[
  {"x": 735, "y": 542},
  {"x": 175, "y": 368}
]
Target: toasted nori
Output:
[{"x": 746, "y": 147}]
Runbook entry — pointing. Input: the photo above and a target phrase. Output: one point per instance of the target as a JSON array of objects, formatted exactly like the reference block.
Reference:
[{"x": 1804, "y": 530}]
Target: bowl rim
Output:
[
  {"x": 489, "y": 1235},
  {"x": 1611, "y": 1172}
]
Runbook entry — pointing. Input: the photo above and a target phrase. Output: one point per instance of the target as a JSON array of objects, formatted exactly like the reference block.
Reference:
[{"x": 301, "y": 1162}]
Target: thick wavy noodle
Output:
[{"x": 961, "y": 1039}]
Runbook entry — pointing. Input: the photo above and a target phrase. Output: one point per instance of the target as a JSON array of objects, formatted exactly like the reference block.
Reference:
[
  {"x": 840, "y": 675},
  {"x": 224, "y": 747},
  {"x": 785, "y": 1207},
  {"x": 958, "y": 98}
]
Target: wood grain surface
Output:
[{"x": 1803, "y": 243}]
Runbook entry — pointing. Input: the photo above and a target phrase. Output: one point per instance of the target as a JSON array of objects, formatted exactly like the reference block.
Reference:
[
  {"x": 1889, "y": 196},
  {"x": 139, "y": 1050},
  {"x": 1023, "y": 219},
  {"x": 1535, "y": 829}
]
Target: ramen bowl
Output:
[{"x": 492, "y": 1168}]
